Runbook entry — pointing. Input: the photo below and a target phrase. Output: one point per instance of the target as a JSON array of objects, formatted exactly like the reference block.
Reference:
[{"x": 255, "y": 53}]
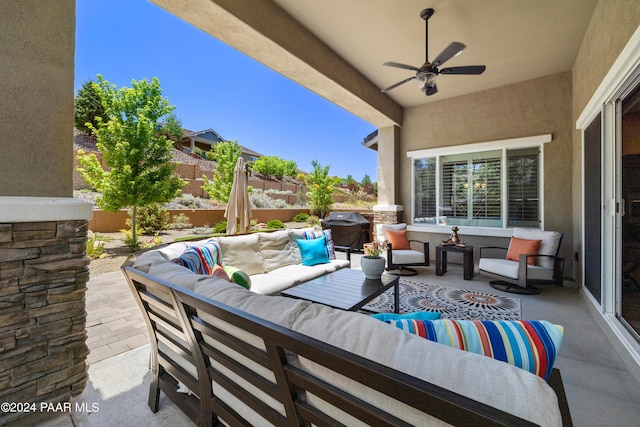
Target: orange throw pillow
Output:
[
  {"x": 523, "y": 246},
  {"x": 398, "y": 239},
  {"x": 218, "y": 270}
]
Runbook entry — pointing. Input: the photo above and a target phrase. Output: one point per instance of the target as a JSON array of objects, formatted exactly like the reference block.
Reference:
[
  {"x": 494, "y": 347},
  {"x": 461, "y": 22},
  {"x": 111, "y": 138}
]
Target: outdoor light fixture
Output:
[{"x": 426, "y": 80}]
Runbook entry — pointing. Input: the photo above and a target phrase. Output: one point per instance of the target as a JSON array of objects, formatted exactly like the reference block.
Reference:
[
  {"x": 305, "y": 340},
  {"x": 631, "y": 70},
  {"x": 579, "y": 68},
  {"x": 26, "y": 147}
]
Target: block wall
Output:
[{"x": 43, "y": 277}]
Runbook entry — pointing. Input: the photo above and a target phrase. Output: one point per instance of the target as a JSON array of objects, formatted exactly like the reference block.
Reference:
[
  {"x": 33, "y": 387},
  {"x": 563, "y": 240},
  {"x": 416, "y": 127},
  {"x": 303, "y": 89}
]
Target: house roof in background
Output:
[{"x": 210, "y": 136}]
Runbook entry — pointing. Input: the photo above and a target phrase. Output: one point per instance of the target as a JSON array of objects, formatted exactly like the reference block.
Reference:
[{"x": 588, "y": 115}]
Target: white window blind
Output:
[
  {"x": 425, "y": 189},
  {"x": 524, "y": 198}
]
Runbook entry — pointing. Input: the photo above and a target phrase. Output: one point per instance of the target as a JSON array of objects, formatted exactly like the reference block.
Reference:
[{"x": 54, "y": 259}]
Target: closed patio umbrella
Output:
[{"x": 238, "y": 212}]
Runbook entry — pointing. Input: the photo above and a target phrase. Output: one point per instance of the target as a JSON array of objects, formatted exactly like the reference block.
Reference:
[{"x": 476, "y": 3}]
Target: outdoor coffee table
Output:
[{"x": 346, "y": 289}]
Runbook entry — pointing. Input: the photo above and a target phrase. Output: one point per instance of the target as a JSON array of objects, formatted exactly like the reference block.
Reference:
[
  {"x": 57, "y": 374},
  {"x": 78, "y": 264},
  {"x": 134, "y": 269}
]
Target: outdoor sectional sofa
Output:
[
  {"x": 242, "y": 358},
  {"x": 271, "y": 260}
]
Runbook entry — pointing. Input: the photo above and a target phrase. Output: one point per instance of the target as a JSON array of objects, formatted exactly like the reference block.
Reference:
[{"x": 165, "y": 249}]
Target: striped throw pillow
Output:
[
  {"x": 528, "y": 344},
  {"x": 201, "y": 259}
]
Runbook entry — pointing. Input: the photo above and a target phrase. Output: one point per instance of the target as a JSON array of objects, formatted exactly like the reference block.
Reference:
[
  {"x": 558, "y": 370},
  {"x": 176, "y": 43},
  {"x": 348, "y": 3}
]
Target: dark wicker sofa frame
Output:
[{"x": 172, "y": 315}]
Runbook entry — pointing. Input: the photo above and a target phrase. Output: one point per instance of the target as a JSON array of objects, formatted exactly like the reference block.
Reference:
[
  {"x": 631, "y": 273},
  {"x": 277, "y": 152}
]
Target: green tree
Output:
[
  {"x": 87, "y": 107},
  {"x": 367, "y": 185},
  {"x": 225, "y": 154},
  {"x": 290, "y": 168},
  {"x": 321, "y": 187},
  {"x": 351, "y": 184},
  {"x": 172, "y": 129},
  {"x": 139, "y": 171},
  {"x": 275, "y": 166}
]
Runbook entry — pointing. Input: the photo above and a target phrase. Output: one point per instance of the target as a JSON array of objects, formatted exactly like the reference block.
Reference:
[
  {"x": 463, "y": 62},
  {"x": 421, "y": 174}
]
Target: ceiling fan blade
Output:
[
  {"x": 398, "y": 65},
  {"x": 432, "y": 90},
  {"x": 469, "y": 69},
  {"x": 397, "y": 84},
  {"x": 452, "y": 50}
]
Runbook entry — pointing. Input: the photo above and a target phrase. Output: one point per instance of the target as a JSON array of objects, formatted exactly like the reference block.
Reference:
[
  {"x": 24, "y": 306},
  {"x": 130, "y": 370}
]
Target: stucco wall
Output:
[
  {"x": 36, "y": 105},
  {"x": 528, "y": 108},
  {"x": 611, "y": 27}
]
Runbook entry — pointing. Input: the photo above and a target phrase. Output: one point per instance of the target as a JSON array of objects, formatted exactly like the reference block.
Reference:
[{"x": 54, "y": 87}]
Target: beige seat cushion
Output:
[
  {"x": 481, "y": 378},
  {"x": 175, "y": 274},
  {"x": 271, "y": 283},
  {"x": 406, "y": 256},
  {"x": 508, "y": 268}
]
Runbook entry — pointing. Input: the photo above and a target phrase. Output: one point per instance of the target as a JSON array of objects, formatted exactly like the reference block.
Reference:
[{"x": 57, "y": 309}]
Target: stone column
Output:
[
  {"x": 43, "y": 276},
  {"x": 387, "y": 211}
]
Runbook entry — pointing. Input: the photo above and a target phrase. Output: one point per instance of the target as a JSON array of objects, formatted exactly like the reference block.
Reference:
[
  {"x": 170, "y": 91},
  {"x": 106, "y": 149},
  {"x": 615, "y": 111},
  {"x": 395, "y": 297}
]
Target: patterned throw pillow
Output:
[
  {"x": 531, "y": 345},
  {"x": 201, "y": 259},
  {"x": 310, "y": 235}
]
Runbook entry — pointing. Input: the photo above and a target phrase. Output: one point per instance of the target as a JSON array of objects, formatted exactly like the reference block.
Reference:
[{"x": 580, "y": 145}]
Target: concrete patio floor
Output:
[{"x": 602, "y": 388}]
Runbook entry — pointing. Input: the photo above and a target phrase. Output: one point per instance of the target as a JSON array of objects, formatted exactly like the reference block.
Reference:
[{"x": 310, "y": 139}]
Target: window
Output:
[
  {"x": 497, "y": 187},
  {"x": 523, "y": 188}
]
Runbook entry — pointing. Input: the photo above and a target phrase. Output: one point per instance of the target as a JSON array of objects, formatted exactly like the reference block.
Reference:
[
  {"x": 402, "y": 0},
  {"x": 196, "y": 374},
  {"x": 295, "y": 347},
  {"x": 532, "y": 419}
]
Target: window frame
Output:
[{"x": 504, "y": 145}]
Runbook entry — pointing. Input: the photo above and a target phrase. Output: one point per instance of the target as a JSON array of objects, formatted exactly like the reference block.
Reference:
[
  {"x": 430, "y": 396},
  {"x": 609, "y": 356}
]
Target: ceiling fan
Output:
[{"x": 426, "y": 75}]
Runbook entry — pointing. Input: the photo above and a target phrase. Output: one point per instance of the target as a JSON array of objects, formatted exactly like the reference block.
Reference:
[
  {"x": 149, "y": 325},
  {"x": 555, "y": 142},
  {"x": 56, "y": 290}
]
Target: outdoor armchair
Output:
[
  {"x": 531, "y": 259},
  {"x": 402, "y": 253}
]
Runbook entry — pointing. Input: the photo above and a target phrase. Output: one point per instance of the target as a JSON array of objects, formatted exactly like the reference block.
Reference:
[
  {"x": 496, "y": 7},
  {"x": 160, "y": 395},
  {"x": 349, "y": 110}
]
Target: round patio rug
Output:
[{"x": 452, "y": 303}]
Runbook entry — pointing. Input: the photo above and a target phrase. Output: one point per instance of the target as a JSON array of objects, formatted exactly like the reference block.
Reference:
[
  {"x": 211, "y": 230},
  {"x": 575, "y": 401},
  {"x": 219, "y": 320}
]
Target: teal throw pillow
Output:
[
  {"x": 419, "y": 315},
  {"x": 313, "y": 251},
  {"x": 238, "y": 276},
  {"x": 330, "y": 248}
]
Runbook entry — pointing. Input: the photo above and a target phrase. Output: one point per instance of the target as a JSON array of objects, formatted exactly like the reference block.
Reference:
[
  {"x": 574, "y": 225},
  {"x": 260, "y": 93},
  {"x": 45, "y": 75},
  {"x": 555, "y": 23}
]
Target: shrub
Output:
[
  {"x": 151, "y": 219},
  {"x": 190, "y": 201},
  {"x": 131, "y": 242},
  {"x": 259, "y": 199},
  {"x": 156, "y": 241},
  {"x": 301, "y": 217},
  {"x": 95, "y": 247},
  {"x": 314, "y": 220},
  {"x": 180, "y": 222},
  {"x": 275, "y": 224},
  {"x": 220, "y": 227}
]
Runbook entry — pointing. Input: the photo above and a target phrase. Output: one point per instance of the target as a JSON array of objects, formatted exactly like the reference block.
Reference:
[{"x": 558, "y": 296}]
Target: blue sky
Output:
[{"x": 214, "y": 86}]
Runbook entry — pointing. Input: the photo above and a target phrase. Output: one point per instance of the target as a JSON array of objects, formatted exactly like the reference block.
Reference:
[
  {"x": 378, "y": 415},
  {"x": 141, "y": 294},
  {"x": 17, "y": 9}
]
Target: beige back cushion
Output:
[
  {"x": 277, "y": 250},
  {"x": 381, "y": 234},
  {"x": 242, "y": 252}
]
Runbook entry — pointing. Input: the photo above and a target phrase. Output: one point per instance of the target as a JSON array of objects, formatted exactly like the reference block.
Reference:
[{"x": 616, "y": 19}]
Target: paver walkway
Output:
[{"x": 114, "y": 322}]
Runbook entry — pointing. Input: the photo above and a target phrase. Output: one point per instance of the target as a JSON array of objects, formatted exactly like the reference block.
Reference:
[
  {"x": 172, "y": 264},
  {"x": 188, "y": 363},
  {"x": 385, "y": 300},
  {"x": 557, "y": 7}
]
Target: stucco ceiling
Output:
[{"x": 517, "y": 40}]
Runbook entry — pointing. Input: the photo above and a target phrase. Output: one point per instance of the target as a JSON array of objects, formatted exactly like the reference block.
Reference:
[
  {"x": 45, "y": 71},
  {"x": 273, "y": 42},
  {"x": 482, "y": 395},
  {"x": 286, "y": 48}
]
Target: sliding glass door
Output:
[{"x": 628, "y": 286}]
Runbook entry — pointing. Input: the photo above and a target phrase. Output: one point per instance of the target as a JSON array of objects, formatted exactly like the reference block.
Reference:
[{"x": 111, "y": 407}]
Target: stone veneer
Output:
[
  {"x": 391, "y": 214},
  {"x": 43, "y": 277}
]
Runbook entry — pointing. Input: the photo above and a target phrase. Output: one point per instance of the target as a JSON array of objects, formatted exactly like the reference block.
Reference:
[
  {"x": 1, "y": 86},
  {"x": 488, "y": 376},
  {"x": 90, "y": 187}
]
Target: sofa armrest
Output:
[{"x": 346, "y": 249}]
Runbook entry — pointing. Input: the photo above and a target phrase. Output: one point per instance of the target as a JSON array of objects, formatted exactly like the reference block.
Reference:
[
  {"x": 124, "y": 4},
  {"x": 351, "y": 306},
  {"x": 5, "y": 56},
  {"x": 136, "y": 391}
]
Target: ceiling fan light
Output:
[{"x": 426, "y": 79}]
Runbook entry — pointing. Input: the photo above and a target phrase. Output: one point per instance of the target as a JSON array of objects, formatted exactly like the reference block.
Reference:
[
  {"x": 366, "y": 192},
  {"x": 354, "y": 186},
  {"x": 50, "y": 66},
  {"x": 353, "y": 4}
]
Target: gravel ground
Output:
[{"x": 117, "y": 252}]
